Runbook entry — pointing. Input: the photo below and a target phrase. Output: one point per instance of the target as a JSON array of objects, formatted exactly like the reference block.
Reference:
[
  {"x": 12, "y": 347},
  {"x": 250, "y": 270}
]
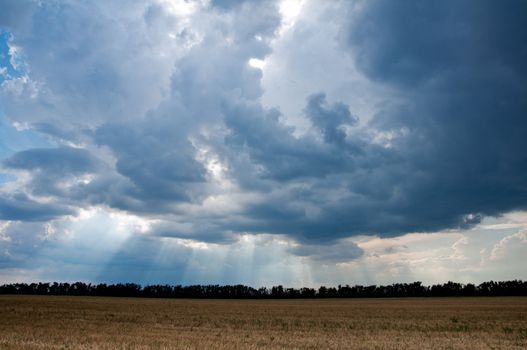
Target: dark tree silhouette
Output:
[{"x": 397, "y": 290}]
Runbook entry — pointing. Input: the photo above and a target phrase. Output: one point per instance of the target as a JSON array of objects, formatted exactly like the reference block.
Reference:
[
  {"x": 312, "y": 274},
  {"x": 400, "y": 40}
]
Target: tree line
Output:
[{"x": 415, "y": 289}]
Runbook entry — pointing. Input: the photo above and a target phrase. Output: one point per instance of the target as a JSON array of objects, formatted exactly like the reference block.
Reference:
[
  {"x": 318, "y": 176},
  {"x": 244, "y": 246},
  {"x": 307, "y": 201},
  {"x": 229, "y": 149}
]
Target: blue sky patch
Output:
[{"x": 7, "y": 71}]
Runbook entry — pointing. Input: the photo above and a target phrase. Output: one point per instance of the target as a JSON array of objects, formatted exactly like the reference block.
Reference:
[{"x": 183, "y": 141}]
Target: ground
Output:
[{"x": 58, "y": 322}]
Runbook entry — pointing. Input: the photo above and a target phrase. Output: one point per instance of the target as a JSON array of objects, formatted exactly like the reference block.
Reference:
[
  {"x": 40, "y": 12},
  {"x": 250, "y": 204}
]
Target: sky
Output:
[{"x": 294, "y": 142}]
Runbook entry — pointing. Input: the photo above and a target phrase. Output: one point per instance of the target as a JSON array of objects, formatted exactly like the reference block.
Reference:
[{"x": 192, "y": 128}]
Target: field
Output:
[{"x": 55, "y": 322}]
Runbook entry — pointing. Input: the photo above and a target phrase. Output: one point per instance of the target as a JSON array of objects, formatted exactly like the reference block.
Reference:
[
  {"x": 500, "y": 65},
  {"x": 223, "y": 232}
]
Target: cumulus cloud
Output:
[
  {"x": 19, "y": 207},
  {"x": 58, "y": 161},
  {"x": 152, "y": 109},
  {"x": 510, "y": 247}
]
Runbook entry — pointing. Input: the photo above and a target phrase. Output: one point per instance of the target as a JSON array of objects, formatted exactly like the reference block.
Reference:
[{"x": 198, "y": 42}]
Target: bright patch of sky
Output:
[{"x": 115, "y": 247}]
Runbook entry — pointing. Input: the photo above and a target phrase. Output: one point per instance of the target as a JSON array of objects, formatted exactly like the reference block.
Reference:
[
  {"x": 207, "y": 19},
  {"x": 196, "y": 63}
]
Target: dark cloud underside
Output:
[{"x": 444, "y": 150}]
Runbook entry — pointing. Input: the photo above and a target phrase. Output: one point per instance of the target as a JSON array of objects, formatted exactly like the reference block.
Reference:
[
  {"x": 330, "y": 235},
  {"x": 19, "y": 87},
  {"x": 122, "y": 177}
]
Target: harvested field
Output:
[{"x": 57, "y": 322}]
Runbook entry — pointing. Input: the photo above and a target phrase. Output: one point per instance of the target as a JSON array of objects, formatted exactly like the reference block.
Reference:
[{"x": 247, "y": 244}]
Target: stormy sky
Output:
[{"x": 293, "y": 142}]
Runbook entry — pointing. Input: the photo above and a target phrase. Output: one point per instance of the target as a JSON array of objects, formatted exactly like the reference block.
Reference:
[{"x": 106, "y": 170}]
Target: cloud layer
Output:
[{"x": 153, "y": 110}]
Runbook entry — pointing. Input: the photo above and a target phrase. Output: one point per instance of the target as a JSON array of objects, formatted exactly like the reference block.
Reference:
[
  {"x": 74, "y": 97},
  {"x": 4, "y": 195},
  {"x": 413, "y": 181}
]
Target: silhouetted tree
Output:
[{"x": 415, "y": 289}]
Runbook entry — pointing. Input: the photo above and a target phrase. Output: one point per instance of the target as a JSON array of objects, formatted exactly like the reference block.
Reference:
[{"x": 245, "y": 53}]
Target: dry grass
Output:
[{"x": 119, "y": 323}]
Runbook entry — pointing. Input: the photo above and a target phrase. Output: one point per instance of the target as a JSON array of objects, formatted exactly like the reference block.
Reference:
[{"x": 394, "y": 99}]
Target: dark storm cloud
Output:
[
  {"x": 445, "y": 149},
  {"x": 56, "y": 172},
  {"x": 461, "y": 70},
  {"x": 19, "y": 207},
  {"x": 159, "y": 162},
  {"x": 462, "y": 67},
  {"x": 411, "y": 42},
  {"x": 284, "y": 156},
  {"x": 455, "y": 136},
  {"x": 58, "y": 161},
  {"x": 329, "y": 119}
]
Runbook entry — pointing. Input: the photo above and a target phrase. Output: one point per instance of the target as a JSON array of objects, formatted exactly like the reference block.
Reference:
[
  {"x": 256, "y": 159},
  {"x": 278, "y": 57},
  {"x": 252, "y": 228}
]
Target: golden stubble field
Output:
[{"x": 58, "y": 322}]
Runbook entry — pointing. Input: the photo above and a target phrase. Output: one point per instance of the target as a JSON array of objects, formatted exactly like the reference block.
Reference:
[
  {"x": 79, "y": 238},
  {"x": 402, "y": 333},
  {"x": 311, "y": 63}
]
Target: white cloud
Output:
[{"x": 510, "y": 247}]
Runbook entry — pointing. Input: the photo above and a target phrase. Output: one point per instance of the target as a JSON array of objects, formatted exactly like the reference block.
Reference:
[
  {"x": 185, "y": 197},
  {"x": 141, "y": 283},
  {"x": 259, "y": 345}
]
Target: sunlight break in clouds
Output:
[
  {"x": 289, "y": 9},
  {"x": 285, "y": 142}
]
